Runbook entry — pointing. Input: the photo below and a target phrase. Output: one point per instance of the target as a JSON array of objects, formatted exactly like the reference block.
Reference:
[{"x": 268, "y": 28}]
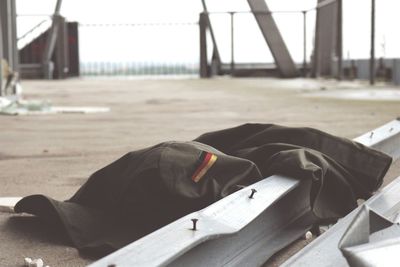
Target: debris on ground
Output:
[
  {"x": 18, "y": 106},
  {"x": 308, "y": 235},
  {"x": 14, "y": 104},
  {"x": 34, "y": 263},
  {"x": 21, "y": 107},
  {"x": 7, "y": 203}
]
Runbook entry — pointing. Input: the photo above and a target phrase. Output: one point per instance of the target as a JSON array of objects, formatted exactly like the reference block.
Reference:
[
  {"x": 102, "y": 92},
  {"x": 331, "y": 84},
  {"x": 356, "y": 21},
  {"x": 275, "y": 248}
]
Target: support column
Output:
[
  {"x": 61, "y": 51},
  {"x": 8, "y": 23},
  {"x": 304, "y": 43},
  {"x": 232, "y": 14},
  {"x": 216, "y": 58},
  {"x": 1, "y": 55},
  {"x": 326, "y": 38},
  {"x": 339, "y": 45},
  {"x": 372, "y": 59},
  {"x": 204, "y": 69},
  {"x": 47, "y": 64},
  {"x": 270, "y": 31}
]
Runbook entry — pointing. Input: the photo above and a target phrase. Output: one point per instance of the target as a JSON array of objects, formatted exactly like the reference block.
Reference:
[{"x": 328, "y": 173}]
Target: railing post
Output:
[
  {"x": 204, "y": 69},
  {"x": 339, "y": 40},
  {"x": 1, "y": 59},
  {"x": 216, "y": 59},
  {"x": 372, "y": 59},
  {"x": 232, "y": 43},
  {"x": 8, "y": 40},
  {"x": 48, "y": 65},
  {"x": 304, "y": 43},
  {"x": 61, "y": 67}
]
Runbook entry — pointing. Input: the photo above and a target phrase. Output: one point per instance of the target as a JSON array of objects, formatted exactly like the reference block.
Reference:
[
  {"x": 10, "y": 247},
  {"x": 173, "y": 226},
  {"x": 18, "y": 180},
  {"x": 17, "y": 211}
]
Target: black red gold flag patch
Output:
[{"x": 208, "y": 161}]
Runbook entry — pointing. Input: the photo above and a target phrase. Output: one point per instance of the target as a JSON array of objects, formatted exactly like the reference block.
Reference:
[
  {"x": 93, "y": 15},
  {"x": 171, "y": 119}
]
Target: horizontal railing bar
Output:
[{"x": 139, "y": 24}]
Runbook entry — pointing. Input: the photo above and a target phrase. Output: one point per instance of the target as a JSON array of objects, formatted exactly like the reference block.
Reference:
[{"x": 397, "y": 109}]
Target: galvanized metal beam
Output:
[
  {"x": 385, "y": 138},
  {"x": 261, "y": 237},
  {"x": 324, "y": 250},
  {"x": 241, "y": 229},
  {"x": 177, "y": 244},
  {"x": 273, "y": 37}
]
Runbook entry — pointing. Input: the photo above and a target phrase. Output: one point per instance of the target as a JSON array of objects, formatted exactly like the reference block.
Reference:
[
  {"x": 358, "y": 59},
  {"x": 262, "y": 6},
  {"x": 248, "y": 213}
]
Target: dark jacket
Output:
[{"x": 149, "y": 188}]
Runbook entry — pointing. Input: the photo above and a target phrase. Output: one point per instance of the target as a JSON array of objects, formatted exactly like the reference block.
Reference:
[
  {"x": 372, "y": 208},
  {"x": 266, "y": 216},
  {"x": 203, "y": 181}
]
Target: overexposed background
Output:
[{"x": 178, "y": 42}]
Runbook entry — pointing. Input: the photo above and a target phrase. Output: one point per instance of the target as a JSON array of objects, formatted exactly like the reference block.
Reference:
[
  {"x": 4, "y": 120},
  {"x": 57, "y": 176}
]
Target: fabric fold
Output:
[{"x": 149, "y": 188}]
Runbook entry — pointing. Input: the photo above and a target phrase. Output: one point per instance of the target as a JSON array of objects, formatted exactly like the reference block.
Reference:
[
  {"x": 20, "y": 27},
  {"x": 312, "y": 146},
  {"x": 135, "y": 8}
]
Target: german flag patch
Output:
[{"x": 207, "y": 161}]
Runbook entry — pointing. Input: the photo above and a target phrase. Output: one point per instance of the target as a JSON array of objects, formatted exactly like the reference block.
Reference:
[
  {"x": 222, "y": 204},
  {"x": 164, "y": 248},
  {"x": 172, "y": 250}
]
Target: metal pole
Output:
[
  {"x": 316, "y": 54},
  {"x": 58, "y": 7},
  {"x": 8, "y": 40},
  {"x": 1, "y": 57},
  {"x": 216, "y": 55},
  {"x": 304, "y": 43},
  {"x": 372, "y": 59},
  {"x": 232, "y": 44},
  {"x": 270, "y": 31},
  {"x": 51, "y": 42},
  {"x": 339, "y": 39},
  {"x": 203, "y": 46}
]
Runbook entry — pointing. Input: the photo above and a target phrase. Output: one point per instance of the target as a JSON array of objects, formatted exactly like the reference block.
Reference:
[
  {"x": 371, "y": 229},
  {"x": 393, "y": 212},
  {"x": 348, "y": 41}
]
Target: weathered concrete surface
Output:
[{"x": 54, "y": 154}]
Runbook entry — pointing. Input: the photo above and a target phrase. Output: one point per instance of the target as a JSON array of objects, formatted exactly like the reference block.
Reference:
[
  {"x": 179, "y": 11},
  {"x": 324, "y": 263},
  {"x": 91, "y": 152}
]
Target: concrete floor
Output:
[{"x": 54, "y": 154}]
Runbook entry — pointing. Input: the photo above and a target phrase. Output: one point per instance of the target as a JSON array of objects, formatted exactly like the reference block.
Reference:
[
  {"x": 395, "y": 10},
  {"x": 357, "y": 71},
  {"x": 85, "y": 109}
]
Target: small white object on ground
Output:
[
  {"x": 80, "y": 110},
  {"x": 308, "y": 235},
  {"x": 33, "y": 263},
  {"x": 28, "y": 261},
  {"x": 15, "y": 105},
  {"x": 4, "y": 102}
]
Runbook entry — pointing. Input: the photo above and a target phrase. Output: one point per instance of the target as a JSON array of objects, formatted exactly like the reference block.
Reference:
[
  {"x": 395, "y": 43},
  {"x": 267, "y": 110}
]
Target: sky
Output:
[{"x": 180, "y": 42}]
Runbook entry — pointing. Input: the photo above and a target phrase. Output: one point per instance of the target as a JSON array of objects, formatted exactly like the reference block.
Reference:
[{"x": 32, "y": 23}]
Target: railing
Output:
[
  {"x": 240, "y": 42},
  {"x": 139, "y": 49}
]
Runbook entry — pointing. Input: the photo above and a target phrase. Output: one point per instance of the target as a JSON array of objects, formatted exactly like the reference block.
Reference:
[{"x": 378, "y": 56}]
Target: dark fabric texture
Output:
[{"x": 149, "y": 188}]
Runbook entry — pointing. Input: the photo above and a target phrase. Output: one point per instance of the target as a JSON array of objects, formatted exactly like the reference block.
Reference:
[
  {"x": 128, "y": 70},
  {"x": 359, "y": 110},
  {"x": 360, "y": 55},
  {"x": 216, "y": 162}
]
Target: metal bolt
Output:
[
  {"x": 253, "y": 191},
  {"x": 194, "y": 224},
  {"x": 391, "y": 129},
  {"x": 308, "y": 235},
  {"x": 372, "y": 134}
]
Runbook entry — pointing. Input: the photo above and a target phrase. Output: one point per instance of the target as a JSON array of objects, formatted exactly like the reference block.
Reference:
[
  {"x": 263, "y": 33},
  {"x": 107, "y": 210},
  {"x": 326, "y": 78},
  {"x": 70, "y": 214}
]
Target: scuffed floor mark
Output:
[{"x": 359, "y": 94}]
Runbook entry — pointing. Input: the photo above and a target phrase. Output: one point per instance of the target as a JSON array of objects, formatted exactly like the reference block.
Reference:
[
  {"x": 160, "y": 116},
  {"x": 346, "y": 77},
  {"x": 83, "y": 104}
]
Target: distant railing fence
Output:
[
  {"x": 175, "y": 48},
  {"x": 139, "y": 49},
  {"x": 240, "y": 47}
]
